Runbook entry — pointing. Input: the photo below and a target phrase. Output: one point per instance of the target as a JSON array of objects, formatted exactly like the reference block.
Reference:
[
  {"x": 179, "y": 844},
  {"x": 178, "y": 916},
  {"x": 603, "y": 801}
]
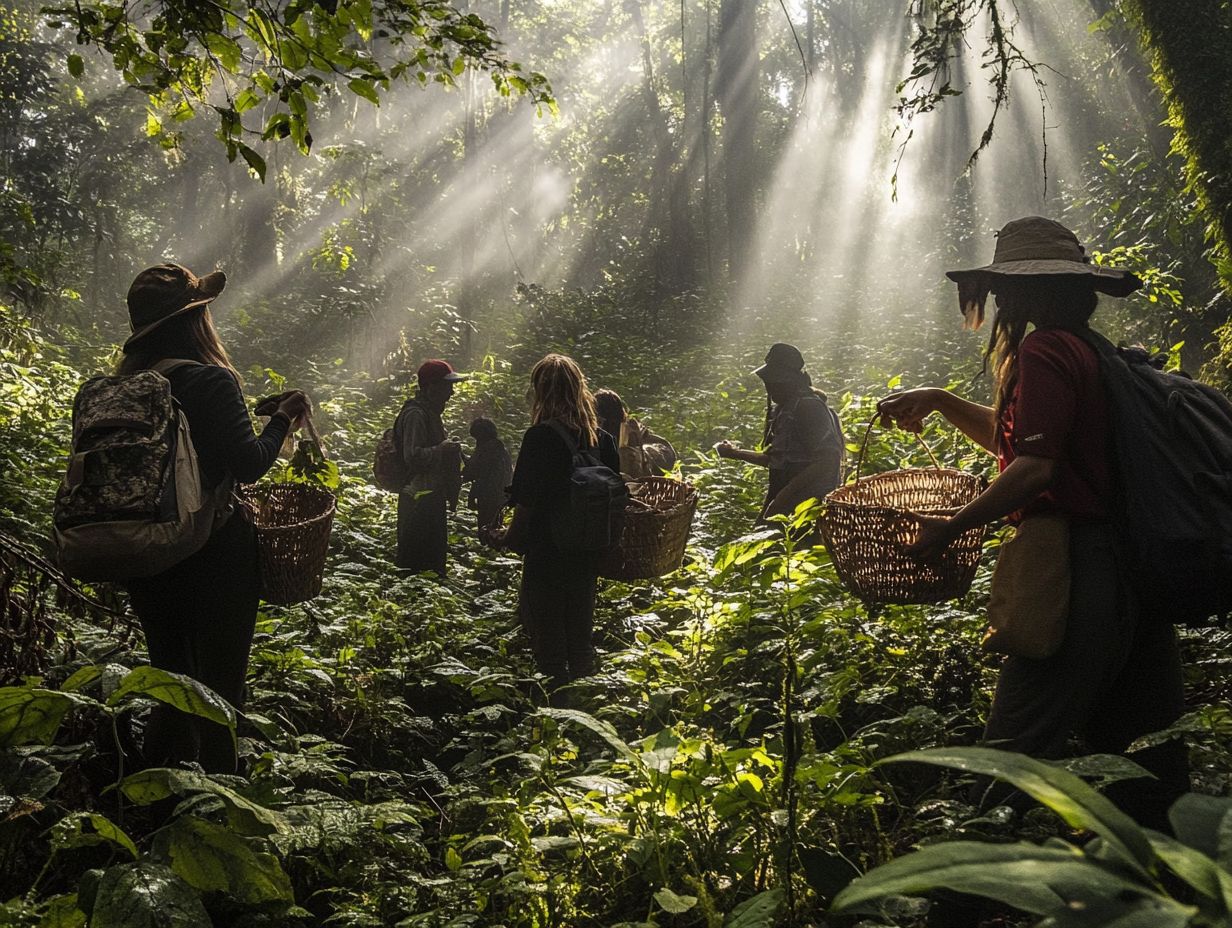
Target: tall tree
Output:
[{"x": 736, "y": 88}]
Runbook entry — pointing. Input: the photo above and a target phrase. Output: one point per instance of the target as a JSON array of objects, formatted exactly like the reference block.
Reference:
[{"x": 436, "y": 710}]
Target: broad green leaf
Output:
[
  {"x": 1196, "y": 869},
  {"x": 674, "y": 904},
  {"x": 594, "y": 725},
  {"x": 211, "y": 858},
  {"x": 1063, "y": 792},
  {"x": 157, "y": 783},
  {"x": 76, "y": 67},
  {"x": 146, "y": 895},
  {"x": 758, "y": 912},
  {"x": 62, "y": 912},
  {"x": 1205, "y": 823},
  {"x": 31, "y": 715},
  {"x": 1046, "y": 881},
  {"x": 177, "y": 690}
]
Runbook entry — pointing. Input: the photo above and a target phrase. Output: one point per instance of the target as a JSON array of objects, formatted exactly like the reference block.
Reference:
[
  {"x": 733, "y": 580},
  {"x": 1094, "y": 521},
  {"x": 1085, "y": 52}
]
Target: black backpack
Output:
[
  {"x": 1172, "y": 467},
  {"x": 595, "y": 515}
]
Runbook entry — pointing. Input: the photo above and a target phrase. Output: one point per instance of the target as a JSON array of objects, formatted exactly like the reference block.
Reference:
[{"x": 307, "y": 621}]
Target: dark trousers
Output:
[
  {"x": 423, "y": 532},
  {"x": 557, "y": 607},
  {"x": 1117, "y": 676},
  {"x": 198, "y": 618}
]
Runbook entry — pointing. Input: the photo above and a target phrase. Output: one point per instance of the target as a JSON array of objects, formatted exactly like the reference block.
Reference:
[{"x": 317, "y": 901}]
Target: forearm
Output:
[
  {"x": 1021, "y": 483},
  {"x": 761, "y": 459},
  {"x": 519, "y": 525},
  {"x": 976, "y": 421}
]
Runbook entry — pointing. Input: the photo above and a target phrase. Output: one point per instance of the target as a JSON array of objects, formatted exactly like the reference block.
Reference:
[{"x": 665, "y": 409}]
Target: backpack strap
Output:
[
  {"x": 167, "y": 365},
  {"x": 569, "y": 438}
]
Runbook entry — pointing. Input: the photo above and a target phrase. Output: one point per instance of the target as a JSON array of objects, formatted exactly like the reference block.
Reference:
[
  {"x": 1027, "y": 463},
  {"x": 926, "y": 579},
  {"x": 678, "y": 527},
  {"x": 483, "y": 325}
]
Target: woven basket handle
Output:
[
  {"x": 315, "y": 437},
  {"x": 868, "y": 431}
]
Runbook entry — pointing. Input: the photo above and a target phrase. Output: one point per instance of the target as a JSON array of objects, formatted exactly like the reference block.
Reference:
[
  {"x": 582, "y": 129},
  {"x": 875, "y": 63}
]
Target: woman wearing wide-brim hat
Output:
[
  {"x": 803, "y": 438},
  {"x": 199, "y": 615},
  {"x": 1112, "y": 674}
]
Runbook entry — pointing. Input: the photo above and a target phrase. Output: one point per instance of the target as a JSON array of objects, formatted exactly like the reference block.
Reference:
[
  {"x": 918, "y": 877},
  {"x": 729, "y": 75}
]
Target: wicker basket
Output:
[
  {"x": 867, "y": 523},
  {"x": 293, "y": 521},
  {"x": 656, "y": 530}
]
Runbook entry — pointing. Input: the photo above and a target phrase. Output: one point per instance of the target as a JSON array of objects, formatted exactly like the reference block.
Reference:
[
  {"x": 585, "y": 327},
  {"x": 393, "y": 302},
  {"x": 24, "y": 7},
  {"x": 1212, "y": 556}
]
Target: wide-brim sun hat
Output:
[
  {"x": 166, "y": 291},
  {"x": 784, "y": 364},
  {"x": 1035, "y": 247}
]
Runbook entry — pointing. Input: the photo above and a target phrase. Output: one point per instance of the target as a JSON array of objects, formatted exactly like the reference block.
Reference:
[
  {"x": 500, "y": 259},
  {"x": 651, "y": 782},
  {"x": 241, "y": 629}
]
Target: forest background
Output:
[{"x": 660, "y": 190}]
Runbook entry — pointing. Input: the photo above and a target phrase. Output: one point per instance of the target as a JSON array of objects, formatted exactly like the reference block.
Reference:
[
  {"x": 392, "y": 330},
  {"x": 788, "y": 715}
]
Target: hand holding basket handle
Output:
[{"x": 294, "y": 404}]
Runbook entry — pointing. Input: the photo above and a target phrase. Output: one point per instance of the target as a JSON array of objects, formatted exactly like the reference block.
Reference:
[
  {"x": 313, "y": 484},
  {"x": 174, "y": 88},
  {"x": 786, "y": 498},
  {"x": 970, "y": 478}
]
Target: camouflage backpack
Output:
[{"x": 131, "y": 503}]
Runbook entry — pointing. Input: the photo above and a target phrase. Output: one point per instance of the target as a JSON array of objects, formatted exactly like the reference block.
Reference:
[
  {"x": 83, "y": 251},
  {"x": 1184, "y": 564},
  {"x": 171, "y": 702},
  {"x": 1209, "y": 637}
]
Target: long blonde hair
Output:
[
  {"x": 191, "y": 336},
  {"x": 560, "y": 392}
]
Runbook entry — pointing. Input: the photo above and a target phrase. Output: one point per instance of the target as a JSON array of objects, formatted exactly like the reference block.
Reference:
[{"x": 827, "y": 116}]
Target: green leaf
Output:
[
  {"x": 31, "y": 715},
  {"x": 1205, "y": 824},
  {"x": 364, "y": 88},
  {"x": 1056, "y": 881},
  {"x": 674, "y": 904},
  {"x": 255, "y": 161},
  {"x": 1063, "y": 792},
  {"x": 24, "y": 776},
  {"x": 246, "y": 100},
  {"x": 594, "y": 725},
  {"x": 243, "y": 815},
  {"x": 1196, "y": 869},
  {"x": 76, "y": 66},
  {"x": 757, "y": 912},
  {"x": 146, "y": 895},
  {"x": 70, "y": 832},
  {"x": 177, "y": 690},
  {"x": 213, "y": 859}
]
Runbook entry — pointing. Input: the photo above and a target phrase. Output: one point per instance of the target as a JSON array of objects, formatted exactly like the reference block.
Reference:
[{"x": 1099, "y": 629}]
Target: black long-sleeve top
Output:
[{"x": 220, "y": 425}]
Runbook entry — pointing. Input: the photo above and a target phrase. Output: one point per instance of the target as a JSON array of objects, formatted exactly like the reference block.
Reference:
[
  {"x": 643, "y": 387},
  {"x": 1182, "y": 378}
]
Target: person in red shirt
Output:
[{"x": 1117, "y": 674}]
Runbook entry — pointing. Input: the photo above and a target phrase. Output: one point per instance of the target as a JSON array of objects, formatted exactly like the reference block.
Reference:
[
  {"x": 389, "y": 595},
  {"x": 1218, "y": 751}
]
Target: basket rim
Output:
[
  {"x": 252, "y": 491},
  {"x": 945, "y": 471}
]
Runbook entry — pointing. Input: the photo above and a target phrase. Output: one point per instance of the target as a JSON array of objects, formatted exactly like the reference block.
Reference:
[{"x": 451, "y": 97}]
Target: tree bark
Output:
[{"x": 736, "y": 88}]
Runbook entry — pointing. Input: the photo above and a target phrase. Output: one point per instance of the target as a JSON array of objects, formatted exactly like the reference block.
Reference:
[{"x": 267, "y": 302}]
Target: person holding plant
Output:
[
  {"x": 1109, "y": 674},
  {"x": 803, "y": 439},
  {"x": 199, "y": 615},
  {"x": 556, "y": 601},
  {"x": 642, "y": 452},
  {"x": 433, "y": 465}
]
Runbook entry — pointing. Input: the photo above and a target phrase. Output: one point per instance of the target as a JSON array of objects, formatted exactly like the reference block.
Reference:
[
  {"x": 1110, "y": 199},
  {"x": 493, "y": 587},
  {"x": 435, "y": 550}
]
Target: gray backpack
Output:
[{"x": 131, "y": 503}]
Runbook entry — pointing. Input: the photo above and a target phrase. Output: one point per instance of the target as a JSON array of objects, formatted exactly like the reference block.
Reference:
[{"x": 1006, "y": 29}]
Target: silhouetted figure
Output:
[
  {"x": 803, "y": 438},
  {"x": 489, "y": 471},
  {"x": 557, "y": 598},
  {"x": 642, "y": 452},
  {"x": 434, "y": 464},
  {"x": 199, "y": 615}
]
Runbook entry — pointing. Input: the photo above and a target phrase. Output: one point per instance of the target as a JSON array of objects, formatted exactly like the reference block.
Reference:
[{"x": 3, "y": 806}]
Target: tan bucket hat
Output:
[
  {"x": 1035, "y": 247},
  {"x": 165, "y": 291}
]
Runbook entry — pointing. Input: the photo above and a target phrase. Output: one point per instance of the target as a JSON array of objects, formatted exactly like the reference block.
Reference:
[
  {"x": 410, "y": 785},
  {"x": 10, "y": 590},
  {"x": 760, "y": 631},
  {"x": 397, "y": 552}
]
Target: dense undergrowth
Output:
[{"x": 720, "y": 768}]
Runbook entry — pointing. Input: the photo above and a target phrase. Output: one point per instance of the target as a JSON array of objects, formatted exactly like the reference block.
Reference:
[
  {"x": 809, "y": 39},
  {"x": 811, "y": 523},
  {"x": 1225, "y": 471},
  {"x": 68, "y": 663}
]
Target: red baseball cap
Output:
[{"x": 435, "y": 369}]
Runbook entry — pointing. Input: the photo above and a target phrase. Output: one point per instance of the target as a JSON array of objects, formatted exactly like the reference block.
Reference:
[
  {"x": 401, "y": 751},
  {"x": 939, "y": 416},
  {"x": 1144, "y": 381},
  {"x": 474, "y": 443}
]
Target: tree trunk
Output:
[
  {"x": 736, "y": 87},
  {"x": 671, "y": 229},
  {"x": 1190, "y": 48}
]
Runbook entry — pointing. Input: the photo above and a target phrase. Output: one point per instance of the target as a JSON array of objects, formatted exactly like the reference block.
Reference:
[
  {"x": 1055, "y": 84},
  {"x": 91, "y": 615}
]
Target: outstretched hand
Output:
[{"x": 908, "y": 409}]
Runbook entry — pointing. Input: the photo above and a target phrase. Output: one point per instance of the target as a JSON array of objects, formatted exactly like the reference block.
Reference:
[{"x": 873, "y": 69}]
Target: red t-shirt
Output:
[{"x": 1058, "y": 410}]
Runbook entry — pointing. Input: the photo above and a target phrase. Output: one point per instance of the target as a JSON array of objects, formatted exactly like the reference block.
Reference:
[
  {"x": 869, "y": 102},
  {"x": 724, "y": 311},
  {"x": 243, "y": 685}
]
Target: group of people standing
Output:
[{"x": 1116, "y": 676}]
